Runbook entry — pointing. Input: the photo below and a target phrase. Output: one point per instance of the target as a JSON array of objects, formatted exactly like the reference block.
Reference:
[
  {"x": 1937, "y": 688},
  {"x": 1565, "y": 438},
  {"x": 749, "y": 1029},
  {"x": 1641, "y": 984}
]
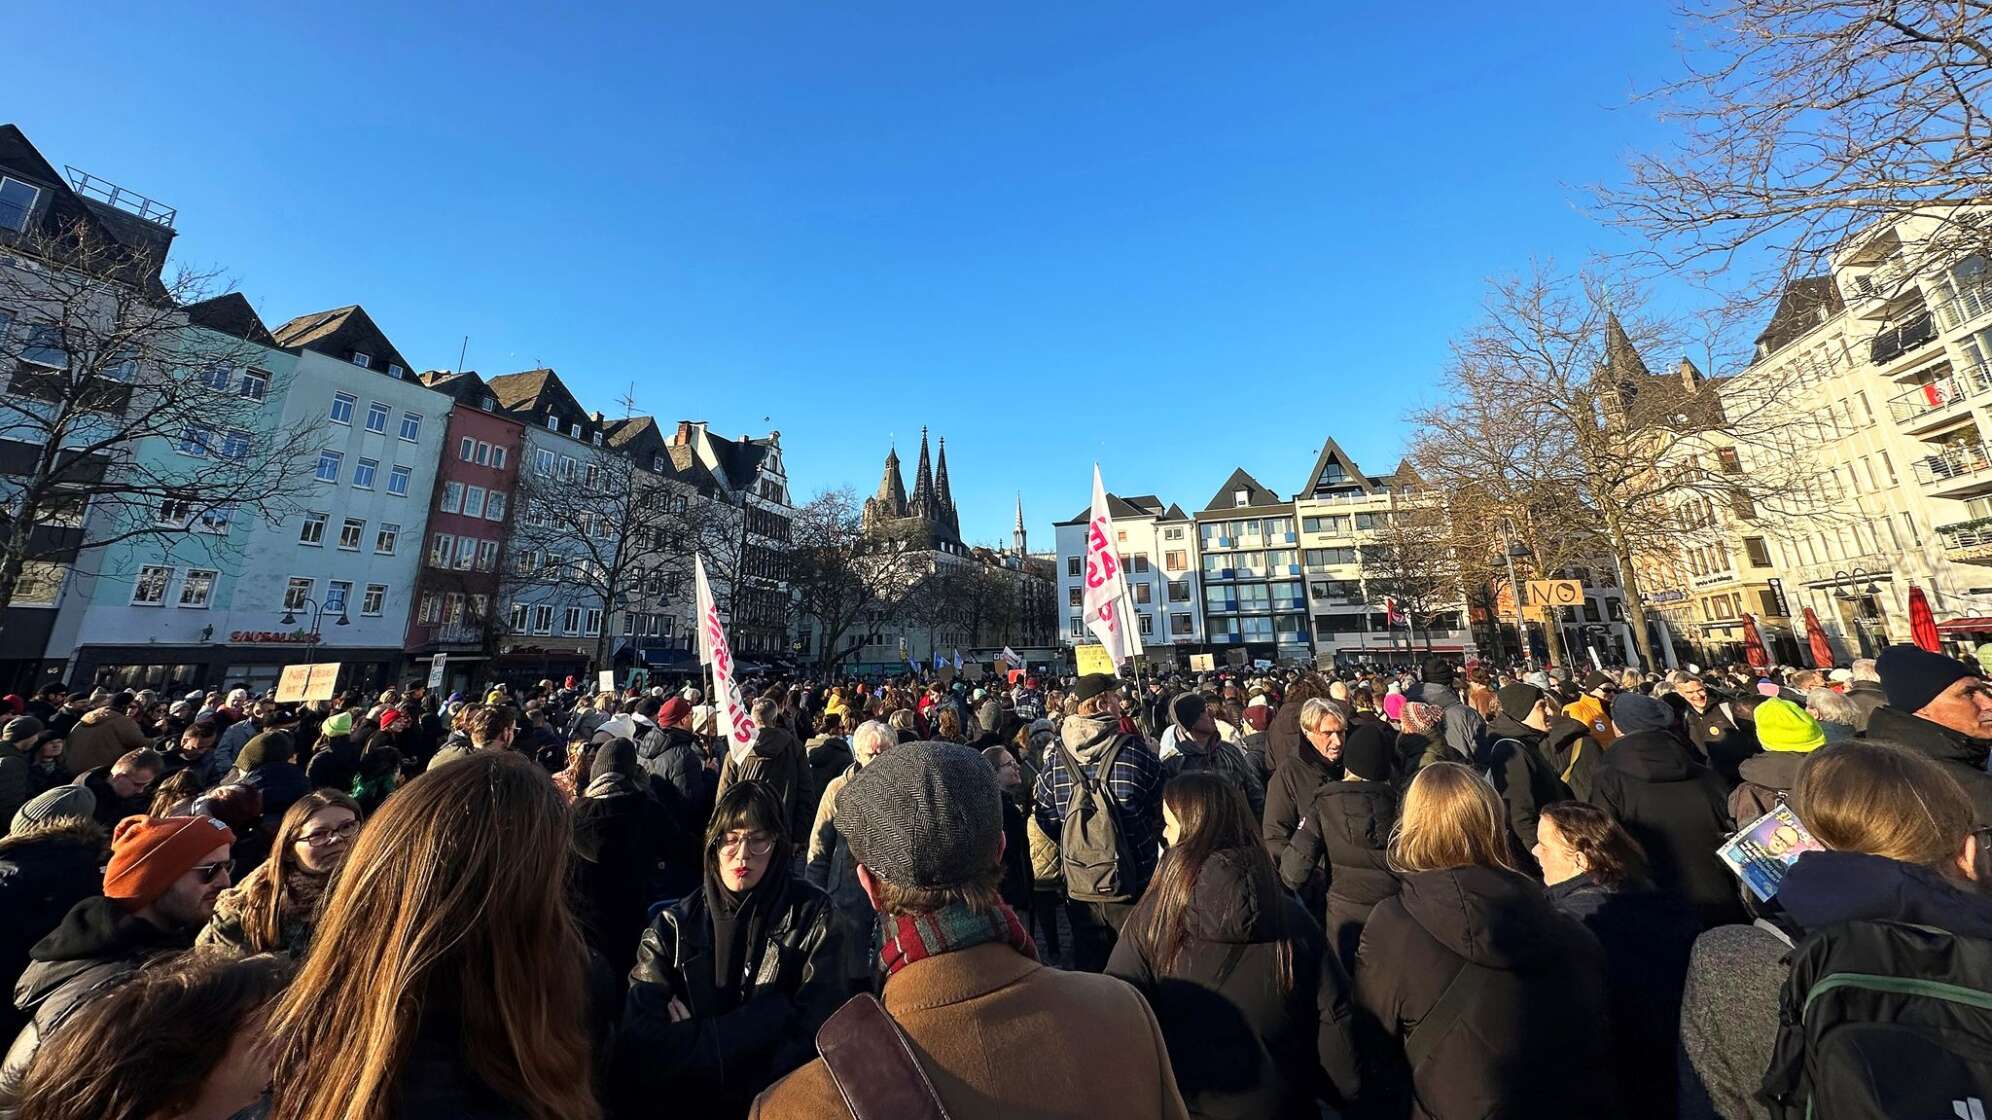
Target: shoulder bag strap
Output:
[
  {"x": 1438, "y": 1021},
  {"x": 873, "y": 1065}
]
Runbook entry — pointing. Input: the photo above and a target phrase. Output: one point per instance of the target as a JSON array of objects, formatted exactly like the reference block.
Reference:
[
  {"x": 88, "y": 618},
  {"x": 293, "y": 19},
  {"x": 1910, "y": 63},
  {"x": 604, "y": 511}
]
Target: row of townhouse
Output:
[
  {"x": 1272, "y": 578},
  {"x": 423, "y": 514},
  {"x": 1880, "y": 371}
]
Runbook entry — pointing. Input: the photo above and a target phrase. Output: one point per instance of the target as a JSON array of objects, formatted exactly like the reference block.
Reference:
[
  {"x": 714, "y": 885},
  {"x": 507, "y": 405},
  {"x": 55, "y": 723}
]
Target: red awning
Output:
[{"x": 1972, "y": 624}]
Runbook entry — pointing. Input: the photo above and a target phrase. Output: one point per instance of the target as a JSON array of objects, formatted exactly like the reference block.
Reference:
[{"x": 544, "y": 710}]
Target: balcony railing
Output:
[
  {"x": 1940, "y": 394},
  {"x": 1893, "y": 343},
  {"x": 1967, "y": 536},
  {"x": 1969, "y": 303},
  {"x": 1963, "y": 461}
]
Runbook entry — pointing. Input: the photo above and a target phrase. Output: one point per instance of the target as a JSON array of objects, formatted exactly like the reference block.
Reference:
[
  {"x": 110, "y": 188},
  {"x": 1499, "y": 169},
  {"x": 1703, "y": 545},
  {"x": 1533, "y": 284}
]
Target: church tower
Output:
[{"x": 1017, "y": 536}]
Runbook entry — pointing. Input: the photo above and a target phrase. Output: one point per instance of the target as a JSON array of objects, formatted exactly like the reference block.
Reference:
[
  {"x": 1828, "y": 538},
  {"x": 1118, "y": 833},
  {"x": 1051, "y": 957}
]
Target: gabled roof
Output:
[
  {"x": 339, "y": 333},
  {"x": 1806, "y": 303},
  {"x": 739, "y": 460},
  {"x": 62, "y": 208},
  {"x": 1256, "y": 494},
  {"x": 521, "y": 390},
  {"x": 230, "y": 314},
  {"x": 1331, "y": 452},
  {"x": 1144, "y": 505}
]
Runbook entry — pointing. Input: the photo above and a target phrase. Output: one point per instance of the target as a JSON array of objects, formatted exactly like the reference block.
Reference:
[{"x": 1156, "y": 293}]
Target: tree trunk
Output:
[{"x": 1635, "y": 613}]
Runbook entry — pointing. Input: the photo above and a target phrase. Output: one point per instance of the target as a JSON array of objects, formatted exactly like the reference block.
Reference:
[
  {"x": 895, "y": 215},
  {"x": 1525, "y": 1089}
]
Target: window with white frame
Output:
[
  {"x": 592, "y": 625},
  {"x": 174, "y": 513},
  {"x": 483, "y": 453},
  {"x": 214, "y": 520},
  {"x": 570, "y": 621},
  {"x": 17, "y": 202},
  {"x": 543, "y": 619},
  {"x": 397, "y": 481},
  {"x": 149, "y": 590},
  {"x": 197, "y": 587},
  {"x": 518, "y": 619},
  {"x": 351, "y": 532},
  {"x": 376, "y": 417},
  {"x": 195, "y": 441},
  {"x": 235, "y": 444},
  {"x": 218, "y": 376},
  {"x": 40, "y": 584},
  {"x": 255, "y": 385},
  {"x": 487, "y": 555},
  {"x": 452, "y": 497},
  {"x": 543, "y": 462},
  {"x": 441, "y": 547},
  {"x": 575, "y": 430},
  {"x": 337, "y": 593},
  {"x": 297, "y": 591},
  {"x": 411, "y": 426},
  {"x": 473, "y": 502},
  {"x": 342, "y": 408},
  {"x": 363, "y": 359},
  {"x": 552, "y": 422},
  {"x": 429, "y": 609},
  {"x": 329, "y": 463},
  {"x": 313, "y": 530},
  {"x": 567, "y": 467},
  {"x": 452, "y": 608},
  {"x": 494, "y": 506},
  {"x": 498, "y": 457},
  {"x": 363, "y": 473},
  {"x": 465, "y": 447},
  {"x": 374, "y": 600},
  {"x": 386, "y": 538},
  {"x": 466, "y": 553},
  {"x": 396, "y": 372}
]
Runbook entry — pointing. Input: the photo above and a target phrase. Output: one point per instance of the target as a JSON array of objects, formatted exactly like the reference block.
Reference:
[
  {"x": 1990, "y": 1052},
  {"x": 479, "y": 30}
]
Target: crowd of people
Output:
[{"x": 1428, "y": 892}]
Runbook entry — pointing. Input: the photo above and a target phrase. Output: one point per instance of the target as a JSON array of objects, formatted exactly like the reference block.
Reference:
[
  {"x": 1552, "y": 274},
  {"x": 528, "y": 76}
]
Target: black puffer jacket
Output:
[
  {"x": 1678, "y": 810},
  {"x": 714, "y": 1063},
  {"x": 44, "y": 871},
  {"x": 1720, "y": 737},
  {"x": 777, "y": 758},
  {"x": 1289, "y": 798},
  {"x": 1535, "y": 1038},
  {"x": 684, "y": 787},
  {"x": 96, "y": 945},
  {"x": 1242, "y": 1044},
  {"x": 1646, "y": 935},
  {"x": 621, "y": 837},
  {"x": 1513, "y": 761},
  {"x": 1355, "y": 819},
  {"x": 1961, "y": 757}
]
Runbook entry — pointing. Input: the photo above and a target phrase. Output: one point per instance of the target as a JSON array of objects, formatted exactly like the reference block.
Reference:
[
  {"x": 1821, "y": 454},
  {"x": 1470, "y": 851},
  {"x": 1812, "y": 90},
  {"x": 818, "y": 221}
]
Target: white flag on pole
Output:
[
  {"x": 957, "y": 661},
  {"x": 735, "y": 721},
  {"x": 1011, "y": 659},
  {"x": 1105, "y": 586}
]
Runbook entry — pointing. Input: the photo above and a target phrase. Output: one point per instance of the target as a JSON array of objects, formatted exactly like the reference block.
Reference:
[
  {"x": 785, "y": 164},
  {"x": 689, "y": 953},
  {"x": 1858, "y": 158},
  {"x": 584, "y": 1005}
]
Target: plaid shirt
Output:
[
  {"x": 1134, "y": 788},
  {"x": 1030, "y": 705}
]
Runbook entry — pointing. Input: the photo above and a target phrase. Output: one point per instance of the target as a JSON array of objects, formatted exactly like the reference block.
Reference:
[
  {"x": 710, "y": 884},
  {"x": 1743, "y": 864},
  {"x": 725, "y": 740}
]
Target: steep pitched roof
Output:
[
  {"x": 62, "y": 208},
  {"x": 1331, "y": 452},
  {"x": 1622, "y": 358},
  {"x": 1255, "y": 494},
  {"x": 338, "y": 333},
  {"x": 1118, "y": 507},
  {"x": 230, "y": 314},
  {"x": 740, "y": 460},
  {"x": 1806, "y": 303},
  {"x": 520, "y": 390}
]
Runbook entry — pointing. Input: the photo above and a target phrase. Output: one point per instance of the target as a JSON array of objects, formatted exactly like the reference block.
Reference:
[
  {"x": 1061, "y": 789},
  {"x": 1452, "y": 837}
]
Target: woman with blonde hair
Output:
[
  {"x": 273, "y": 908},
  {"x": 1474, "y": 996},
  {"x": 447, "y": 976}
]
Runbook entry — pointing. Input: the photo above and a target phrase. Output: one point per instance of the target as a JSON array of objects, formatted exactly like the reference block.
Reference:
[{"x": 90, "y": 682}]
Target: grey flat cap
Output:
[{"x": 923, "y": 815}]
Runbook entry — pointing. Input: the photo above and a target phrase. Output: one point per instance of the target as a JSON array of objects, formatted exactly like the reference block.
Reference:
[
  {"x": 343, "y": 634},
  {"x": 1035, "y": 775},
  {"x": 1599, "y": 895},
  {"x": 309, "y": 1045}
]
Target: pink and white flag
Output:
[
  {"x": 1106, "y": 588},
  {"x": 735, "y": 721}
]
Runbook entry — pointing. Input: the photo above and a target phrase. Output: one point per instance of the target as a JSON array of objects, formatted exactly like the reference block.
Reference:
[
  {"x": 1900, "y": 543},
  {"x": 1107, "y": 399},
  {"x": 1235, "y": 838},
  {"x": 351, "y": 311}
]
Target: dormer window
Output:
[
  {"x": 575, "y": 429},
  {"x": 657, "y": 463},
  {"x": 17, "y": 201},
  {"x": 490, "y": 404},
  {"x": 1241, "y": 497},
  {"x": 552, "y": 422},
  {"x": 363, "y": 359},
  {"x": 396, "y": 372},
  {"x": 598, "y": 439}
]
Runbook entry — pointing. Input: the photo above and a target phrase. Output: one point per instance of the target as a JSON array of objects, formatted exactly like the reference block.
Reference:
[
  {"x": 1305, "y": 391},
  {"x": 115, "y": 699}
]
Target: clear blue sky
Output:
[{"x": 1173, "y": 237}]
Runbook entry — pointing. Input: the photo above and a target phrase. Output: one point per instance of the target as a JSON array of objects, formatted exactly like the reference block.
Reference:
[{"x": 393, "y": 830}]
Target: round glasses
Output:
[{"x": 757, "y": 845}]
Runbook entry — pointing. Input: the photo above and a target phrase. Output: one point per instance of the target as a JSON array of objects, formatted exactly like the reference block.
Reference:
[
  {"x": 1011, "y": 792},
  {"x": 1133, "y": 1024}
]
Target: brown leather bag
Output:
[{"x": 873, "y": 1065}]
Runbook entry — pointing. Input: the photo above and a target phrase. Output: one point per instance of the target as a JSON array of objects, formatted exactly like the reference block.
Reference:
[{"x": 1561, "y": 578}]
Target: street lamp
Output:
[
  {"x": 317, "y": 623},
  {"x": 1867, "y": 593}
]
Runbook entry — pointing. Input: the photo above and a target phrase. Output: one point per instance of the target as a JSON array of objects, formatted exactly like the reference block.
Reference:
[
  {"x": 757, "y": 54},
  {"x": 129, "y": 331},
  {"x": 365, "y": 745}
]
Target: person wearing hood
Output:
[
  {"x": 1788, "y": 734},
  {"x": 102, "y": 735},
  {"x": 159, "y": 890},
  {"x": 1252, "y": 1000},
  {"x": 1195, "y": 741},
  {"x": 1324, "y": 727},
  {"x": 1596, "y": 873},
  {"x": 1513, "y": 760},
  {"x": 777, "y": 759},
  {"x": 265, "y": 765},
  {"x": 621, "y": 836},
  {"x": 1674, "y": 807},
  {"x": 1899, "y": 847},
  {"x": 1940, "y": 708},
  {"x": 829, "y": 755},
  {"x": 831, "y": 867},
  {"x": 335, "y": 760},
  {"x": 50, "y": 860},
  {"x": 1348, "y": 825},
  {"x": 1091, "y": 743},
  {"x": 732, "y": 981},
  {"x": 1475, "y": 996}
]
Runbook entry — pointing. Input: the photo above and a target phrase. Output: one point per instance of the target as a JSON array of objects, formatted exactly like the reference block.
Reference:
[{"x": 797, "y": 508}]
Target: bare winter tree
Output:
[
  {"x": 1409, "y": 557},
  {"x": 841, "y": 576},
  {"x": 1616, "y": 449},
  {"x": 1801, "y": 122},
  {"x": 120, "y": 422}
]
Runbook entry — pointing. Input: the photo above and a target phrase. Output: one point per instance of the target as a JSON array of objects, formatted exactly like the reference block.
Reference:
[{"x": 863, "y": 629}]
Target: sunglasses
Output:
[{"x": 209, "y": 872}]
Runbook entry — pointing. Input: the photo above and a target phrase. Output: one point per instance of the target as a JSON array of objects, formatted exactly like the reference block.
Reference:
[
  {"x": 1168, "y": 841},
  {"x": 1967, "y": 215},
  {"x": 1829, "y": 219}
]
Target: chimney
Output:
[
  {"x": 684, "y": 435},
  {"x": 598, "y": 416}
]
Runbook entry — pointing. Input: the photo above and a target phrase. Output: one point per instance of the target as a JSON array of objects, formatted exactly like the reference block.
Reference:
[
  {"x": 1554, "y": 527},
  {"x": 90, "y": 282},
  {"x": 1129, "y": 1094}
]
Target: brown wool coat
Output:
[{"x": 1005, "y": 1038}]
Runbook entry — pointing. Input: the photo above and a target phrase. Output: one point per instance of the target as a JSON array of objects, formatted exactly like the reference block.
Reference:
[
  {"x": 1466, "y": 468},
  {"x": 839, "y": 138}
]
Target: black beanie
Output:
[
  {"x": 1367, "y": 751},
  {"x": 1912, "y": 676},
  {"x": 1186, "y": 710},
  {"x": 1518, "y": 700}
]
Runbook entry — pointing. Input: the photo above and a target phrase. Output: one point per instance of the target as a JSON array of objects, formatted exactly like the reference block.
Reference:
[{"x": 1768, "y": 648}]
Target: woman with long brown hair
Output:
[
  {"x": 1474, "y": 996},
  {"x": 447, "y": 976},
  {"x": 1250, "y": 997},
  {"x": 273, "y": 908}
]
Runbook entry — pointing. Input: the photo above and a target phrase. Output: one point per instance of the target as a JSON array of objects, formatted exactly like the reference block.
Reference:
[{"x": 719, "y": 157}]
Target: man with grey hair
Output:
[
  {"x": 831, "y": 868},
  {"x": 1865, "y": 691},
  {"x": 1290, "y": 796}
]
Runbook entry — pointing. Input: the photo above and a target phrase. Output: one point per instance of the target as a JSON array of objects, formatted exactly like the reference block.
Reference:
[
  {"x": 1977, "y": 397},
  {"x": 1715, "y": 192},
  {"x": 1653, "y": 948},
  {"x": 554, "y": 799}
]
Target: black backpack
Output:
[
  {"x": 1884, "y": 1021},
  {"x": 1090, "y": 844}
]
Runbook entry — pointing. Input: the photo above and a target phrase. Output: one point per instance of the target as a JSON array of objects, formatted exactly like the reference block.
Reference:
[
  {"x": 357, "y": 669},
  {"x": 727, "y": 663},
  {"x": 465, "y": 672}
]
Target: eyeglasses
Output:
[
  {"x": 343, "y": 833},
  {"x": 758, "y": 844},
  {"x": 209, "y": 872}
]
